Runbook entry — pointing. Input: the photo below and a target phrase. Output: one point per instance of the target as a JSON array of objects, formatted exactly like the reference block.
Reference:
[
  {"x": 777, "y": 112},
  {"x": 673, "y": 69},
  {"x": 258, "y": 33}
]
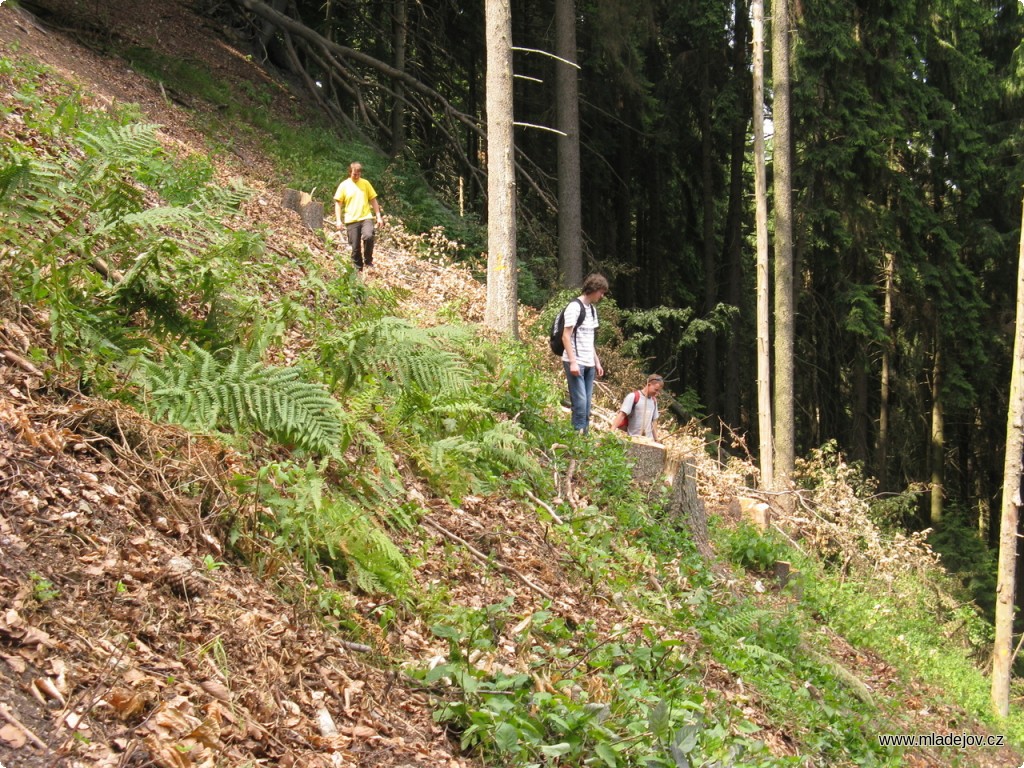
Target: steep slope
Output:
[{"x": 128, "y": 640}]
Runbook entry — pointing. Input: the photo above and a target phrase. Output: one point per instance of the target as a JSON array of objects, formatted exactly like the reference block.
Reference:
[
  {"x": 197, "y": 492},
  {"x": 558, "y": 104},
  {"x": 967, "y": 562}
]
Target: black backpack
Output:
[{"x": 555, "y": 340}]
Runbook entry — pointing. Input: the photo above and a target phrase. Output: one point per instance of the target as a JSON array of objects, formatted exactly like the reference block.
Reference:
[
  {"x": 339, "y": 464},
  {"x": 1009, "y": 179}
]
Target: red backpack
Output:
[{"x": 622, "y": 418}]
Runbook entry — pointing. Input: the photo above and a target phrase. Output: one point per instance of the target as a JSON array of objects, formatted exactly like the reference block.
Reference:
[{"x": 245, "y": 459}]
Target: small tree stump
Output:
[
  {"x": 687, "y": 506},
  {"x": 753, "y": 511},
  {"x": 312, "y": 213},
  {"x": 649, "y": 458},
  {"x": 310, "y": 210},
  {"x": 787, "y": 575}
]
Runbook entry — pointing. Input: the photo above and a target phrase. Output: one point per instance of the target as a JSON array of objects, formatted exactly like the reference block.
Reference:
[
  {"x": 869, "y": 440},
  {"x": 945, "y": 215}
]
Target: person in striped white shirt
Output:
[{"x": 580, "y": 359}]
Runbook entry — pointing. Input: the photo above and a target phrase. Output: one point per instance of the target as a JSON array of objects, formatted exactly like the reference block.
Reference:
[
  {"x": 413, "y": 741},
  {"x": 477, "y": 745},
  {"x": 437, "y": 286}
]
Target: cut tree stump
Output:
[
  {"x": 787, "y": 575},
  {"x": 687, "y": 506},
  {"x": 649, "y": 458},
  {"x": 311, "y": 211},
  {"x": 753, "y": 511}
]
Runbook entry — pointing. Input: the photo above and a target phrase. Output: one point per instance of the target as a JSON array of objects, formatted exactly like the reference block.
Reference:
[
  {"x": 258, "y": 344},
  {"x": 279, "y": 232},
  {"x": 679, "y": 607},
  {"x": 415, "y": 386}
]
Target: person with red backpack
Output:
[{"x": 638, "y": 413}]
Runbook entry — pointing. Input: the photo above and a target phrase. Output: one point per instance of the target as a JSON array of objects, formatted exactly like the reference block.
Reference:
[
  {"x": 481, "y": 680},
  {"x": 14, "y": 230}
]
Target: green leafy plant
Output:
[
  {"x": 751, "y": 548},
  {"x": 194, "y": 388},
  {"x": 43, "y": 590},
  {"x": 83, "y": 236},
  {"x": 303, "y": 515}
]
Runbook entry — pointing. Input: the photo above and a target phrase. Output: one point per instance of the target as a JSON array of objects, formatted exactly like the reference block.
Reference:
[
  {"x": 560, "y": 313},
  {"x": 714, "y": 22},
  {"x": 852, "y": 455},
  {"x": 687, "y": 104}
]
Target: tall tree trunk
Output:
[
  {"x": 567, "y": 105},
  {"x": 712, "y": 393},
  {"x": 1006, "y": 577},
  {"x": 733, "y": 227},
  {"x": 785, "y": 310},
  {"x": 473, "y": 139},
  {"x": 502, "y": 288},
  {"x": 882, "y": 446},
  {"x": 764, "y": 398},
  {"x": 860, "y": 418},
  {"x": 937, "y": 452},
  {"x": 401, "y": 35}
]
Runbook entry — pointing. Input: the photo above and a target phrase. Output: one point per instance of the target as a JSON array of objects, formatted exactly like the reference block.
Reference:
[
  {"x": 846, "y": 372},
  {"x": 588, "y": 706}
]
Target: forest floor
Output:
[{"x": 125, "y": 637}]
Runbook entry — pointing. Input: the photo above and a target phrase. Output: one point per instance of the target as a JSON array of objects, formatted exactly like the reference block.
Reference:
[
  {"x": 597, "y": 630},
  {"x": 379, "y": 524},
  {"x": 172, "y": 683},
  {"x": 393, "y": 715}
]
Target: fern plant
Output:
[
  {"x": 398, "y": 355},
  {"x": 325, "y": 529},
  {"x": 87, "y": 237},
  {"x": 192, "y": 387}
]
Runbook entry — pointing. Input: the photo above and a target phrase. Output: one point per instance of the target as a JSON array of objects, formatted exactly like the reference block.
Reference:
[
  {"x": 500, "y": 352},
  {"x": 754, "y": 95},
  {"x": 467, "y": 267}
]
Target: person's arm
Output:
[
  {"x": 376, "y": 210},
  {"x": 570, "y": 349},
  {"x": 337, "y": 213},
  {"x": 597, "y": 359}
]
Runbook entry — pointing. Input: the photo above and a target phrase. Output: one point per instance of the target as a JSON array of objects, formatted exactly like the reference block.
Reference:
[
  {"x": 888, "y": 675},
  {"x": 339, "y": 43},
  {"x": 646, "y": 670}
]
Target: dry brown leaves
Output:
[{"x": 122, "y": 632}]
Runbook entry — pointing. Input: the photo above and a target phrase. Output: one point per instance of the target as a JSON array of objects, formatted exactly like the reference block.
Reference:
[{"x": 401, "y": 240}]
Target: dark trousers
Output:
[{"x": 360, "y": 237}]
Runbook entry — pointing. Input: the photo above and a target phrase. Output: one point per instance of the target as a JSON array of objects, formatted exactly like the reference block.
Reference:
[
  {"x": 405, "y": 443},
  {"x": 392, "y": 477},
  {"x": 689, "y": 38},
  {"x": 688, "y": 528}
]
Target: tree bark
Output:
[
  {"x": 785, "y": 311},
  {"x": 567, "y": 106},
  {"x": 937, "y": 451},
  {"x": 712, "y": 392},
  {"x": 1006, "y": 576},
  {"x": 400, "y": 37},
  {"x": 687, "y": 506},
  {"x": 764, "y": 404},
  {"x": 733, "y": 227},
  {"x": 502, "y": 298},
  {"x": 882, "y": 446}
]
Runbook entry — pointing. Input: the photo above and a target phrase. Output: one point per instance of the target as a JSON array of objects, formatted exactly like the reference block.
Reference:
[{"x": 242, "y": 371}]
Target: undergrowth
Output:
[{"x": 153, "y": 300}]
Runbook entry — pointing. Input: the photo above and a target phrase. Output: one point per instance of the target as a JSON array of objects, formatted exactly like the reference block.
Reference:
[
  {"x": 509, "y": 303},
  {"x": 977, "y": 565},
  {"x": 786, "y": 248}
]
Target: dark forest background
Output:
[{"x": 908, "y": 131}]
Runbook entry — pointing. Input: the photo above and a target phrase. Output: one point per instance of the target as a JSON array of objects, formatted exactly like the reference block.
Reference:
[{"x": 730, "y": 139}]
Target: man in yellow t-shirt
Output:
[{"x": 355, "y": 205}]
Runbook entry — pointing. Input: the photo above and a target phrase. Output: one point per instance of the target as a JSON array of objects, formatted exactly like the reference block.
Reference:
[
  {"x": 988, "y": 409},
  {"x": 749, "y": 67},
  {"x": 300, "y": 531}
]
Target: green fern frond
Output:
[
  {"x": 15, "y": 176},
  {"x": 505, "y": 446},
  {"x": 214, "y": 199},
  {"x": 462, "y": 410},
  {"x": 191, "y": 387},
  {"x": 389, "y": 349},
  {"x": 744, "y": 621},
  {"x": 361, "y": 404},
  {"x": 152, "y": 220},
  {"x": 30, "y": 192},
  {"x": 120, "y": 143},
  {"x": 763, "y": 655}
]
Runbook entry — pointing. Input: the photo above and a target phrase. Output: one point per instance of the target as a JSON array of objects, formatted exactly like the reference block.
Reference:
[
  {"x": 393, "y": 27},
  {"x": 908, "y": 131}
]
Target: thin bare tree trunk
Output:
[
  {"x": 567, "y": 106},
  {"x": 764, "y": 397},
  {"x": 712, "y": 391},
  {"x": 785, "y": 310},
  {"x": 401, "y": 35},
  {"x": 502, "y": 288},
  {"x": 734, "y": 248},
  {"x": 938, "y": 441},
  {"x": 882, "y": 448},
  {"x": 1006, "y": 586}
]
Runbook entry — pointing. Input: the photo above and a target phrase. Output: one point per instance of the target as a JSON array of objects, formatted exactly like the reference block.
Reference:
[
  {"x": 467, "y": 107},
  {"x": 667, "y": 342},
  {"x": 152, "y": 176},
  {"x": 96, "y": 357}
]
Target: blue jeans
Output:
[{"x": 581, "y": 390}]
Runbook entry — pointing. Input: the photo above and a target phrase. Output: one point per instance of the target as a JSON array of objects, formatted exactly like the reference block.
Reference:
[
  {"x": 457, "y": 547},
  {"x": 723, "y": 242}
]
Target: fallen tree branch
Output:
[
  {"x": 36, "y": 741},
  {"x": 20, "y": 361},
  {"x": 550, "y": 511},
  {"x": 356, "y": 647},
  {"x": 506, "y": 569},
  {"x": 311, "y": 37}
]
